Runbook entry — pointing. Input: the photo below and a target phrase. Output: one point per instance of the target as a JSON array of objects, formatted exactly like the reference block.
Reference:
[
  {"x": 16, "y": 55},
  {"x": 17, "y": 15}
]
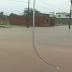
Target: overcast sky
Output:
[{"x": 17, "y": 7}]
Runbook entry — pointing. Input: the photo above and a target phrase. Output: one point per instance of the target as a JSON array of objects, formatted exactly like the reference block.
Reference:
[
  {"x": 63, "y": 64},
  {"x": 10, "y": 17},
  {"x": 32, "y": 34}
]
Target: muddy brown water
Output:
[{"x": 54, "y": 45}]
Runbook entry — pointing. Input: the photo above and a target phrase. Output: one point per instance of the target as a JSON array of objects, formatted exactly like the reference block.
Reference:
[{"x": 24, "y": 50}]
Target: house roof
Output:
[
  {"x": 67, "y": 13},
  {"x": 45, "y": 13},
  {"x": 62, "y": 13}
]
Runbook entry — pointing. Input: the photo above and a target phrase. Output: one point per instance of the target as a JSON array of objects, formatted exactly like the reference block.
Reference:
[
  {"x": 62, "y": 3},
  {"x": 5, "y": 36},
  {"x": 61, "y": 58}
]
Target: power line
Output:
[
  {"x": 43, "y": 7},
  {"x": 51, "y": 5},
  {"x": 19, "y": 1},
  {"x": 30, "y": 3},
  {"x": 38, "y": 5}
]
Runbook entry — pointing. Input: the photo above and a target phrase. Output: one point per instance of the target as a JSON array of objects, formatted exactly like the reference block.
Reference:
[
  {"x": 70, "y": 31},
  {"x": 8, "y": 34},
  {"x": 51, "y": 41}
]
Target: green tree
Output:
[
  {"x": 2, "y": 16},
  {"x": 12, "y": 14},
  {"x": 2, "y": 13},
  {"x": 25, "y": 13}
]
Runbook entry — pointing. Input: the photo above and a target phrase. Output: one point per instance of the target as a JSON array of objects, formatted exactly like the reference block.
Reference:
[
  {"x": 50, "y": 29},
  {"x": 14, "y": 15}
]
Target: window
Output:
[
  {"x": 67, "y": 15},
  {"x": 59, "y": 15}
]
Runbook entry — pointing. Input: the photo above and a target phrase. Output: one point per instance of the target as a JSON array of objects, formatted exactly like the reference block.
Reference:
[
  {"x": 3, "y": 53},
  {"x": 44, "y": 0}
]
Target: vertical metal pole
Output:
[
  {"x": 34, "y": 42},
  {"x": 70, "y": 15},
  {"x": 70, "y": 18},
  {"x": 7, "y": 18},
  {"x": 28, "y": 14}
]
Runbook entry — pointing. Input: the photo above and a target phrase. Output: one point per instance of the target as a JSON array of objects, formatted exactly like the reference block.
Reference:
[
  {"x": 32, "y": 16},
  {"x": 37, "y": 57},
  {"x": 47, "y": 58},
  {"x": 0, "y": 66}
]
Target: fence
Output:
[{"x": 62, "y": 20}]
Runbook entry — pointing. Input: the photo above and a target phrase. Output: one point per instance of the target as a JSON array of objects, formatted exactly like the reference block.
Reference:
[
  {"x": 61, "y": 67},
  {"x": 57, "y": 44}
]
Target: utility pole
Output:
[
  {"x": 28, "y": 14},
  {"x": 70, "y": 14},
  {"x": 7, "y": 18}
]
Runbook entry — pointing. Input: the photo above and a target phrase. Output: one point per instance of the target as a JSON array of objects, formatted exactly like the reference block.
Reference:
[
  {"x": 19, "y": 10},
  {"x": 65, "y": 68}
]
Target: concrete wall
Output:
[
  {"x": 39, "y": 21},
  {"x": 62, "y": 20}
]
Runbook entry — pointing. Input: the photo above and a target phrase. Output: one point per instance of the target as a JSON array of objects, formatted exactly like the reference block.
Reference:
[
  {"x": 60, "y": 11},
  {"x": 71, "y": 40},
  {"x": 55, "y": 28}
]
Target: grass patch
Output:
[
  {"x": 5, "y": 24},
  {"x": 61, "y": 24},
  {"x": 11, "y": 26}
]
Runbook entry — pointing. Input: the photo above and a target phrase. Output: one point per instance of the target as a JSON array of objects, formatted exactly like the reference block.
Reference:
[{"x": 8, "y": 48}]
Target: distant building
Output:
[
  {"x": 41, "y": 21},
  {"x": 44, "y": 14},
  {"x": 63, "y": 15},
  {"x": 51, "y": 14}
]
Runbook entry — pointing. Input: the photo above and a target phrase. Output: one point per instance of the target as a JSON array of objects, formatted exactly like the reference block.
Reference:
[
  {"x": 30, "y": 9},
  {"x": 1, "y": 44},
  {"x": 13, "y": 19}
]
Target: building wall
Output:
[
  {"x": 63, "y": 15},
  {"x": 68, "y": 15},
  {"x": 39, "y": 21}
]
